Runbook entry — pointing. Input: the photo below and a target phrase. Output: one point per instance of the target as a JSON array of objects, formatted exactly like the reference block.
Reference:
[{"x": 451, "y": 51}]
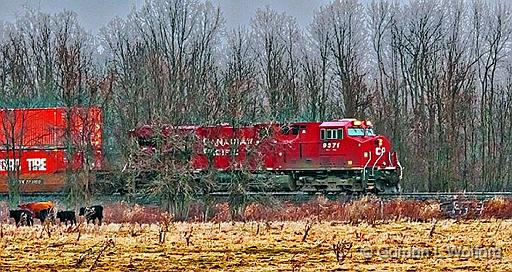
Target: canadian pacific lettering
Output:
[{"x": 226, "y": 147}]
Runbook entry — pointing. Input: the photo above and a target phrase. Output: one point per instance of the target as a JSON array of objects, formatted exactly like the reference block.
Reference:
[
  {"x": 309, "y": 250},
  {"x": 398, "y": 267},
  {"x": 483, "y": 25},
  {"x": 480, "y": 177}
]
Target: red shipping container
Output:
[
  {"x": 45, "y": 128},
  {"x": 39, "y": 142}
]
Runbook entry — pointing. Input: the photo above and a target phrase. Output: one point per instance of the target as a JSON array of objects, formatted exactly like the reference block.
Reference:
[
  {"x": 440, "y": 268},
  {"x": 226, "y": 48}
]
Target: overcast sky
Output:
[{"x": 93, "y": 14}]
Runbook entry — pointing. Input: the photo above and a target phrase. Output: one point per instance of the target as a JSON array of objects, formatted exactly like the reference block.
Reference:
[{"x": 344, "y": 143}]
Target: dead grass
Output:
[
  {"x": 320, "y": 235},
  {"x": 367, "y": 209},
  {"x": 250, "y": 247}
]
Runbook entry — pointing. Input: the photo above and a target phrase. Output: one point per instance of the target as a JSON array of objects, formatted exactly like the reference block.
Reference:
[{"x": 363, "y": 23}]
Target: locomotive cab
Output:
[{"x": 353, "y": 159}]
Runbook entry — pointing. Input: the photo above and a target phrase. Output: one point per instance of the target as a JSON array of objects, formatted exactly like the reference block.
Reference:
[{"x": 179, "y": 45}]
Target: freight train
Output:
[{"x": 38, "y": 147}]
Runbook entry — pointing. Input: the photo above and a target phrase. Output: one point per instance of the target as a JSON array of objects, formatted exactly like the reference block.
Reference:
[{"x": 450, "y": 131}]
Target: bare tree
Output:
[
  {"x": 492, "y": 31},
  {"x": 50, "y": 59},
  {"x": 164, "y": 59},
  {"x": 164, "y": 56},
  {"x": 276, "y": 44},
  {"x": 12, "y": 141},
  {"x": 347, "y": 46},
  {"x": 78, "y": 91},
  {"x": 316, "y": 67},
  {"x": 241, "y": 94}
]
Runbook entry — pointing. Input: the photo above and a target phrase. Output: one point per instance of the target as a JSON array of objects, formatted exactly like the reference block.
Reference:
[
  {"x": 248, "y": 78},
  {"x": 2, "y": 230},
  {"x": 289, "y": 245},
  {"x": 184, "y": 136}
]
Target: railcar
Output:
[
  {"x": 38, "y": 145},
  {"x": 335, "y": 156}
]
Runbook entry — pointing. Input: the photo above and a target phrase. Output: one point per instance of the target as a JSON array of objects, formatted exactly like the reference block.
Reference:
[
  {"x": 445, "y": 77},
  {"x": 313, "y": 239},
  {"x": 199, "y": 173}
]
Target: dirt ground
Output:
[{"x": 278, "y": 246}]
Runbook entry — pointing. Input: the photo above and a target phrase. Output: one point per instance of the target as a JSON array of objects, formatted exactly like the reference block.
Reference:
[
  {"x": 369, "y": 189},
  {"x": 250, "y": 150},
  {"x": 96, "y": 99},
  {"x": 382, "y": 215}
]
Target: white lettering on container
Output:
[
  {"x": 38, "y": 164},
  {"x": 9, "y": 164}
]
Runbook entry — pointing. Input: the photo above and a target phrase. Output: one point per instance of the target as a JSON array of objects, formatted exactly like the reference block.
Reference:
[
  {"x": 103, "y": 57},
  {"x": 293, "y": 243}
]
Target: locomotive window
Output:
[
  {"x": 286, "y": 130},
  {"x": 331, "y": 134},
  {"x": 369, "y": 132},
  {"x": 143, "y": 141},
  {"x": 264, "y": 132},
  {"x": 356, "y": 132}
]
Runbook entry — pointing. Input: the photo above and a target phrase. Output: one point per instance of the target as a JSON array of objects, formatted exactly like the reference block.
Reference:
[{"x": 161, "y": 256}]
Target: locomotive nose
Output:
[{"x": 380, "y": 146}]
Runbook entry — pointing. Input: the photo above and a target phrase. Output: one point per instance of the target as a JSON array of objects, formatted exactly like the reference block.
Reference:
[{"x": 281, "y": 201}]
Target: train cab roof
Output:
[
  {"x": 347, "y": 123},
  {"x": 338, "y": 123},
  {"x": 332, "y": 124}
]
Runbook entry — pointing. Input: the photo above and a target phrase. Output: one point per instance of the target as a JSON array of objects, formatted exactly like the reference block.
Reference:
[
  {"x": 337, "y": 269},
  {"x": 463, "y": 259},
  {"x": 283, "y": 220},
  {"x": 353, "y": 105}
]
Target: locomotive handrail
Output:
[
  {"x": 366, "y": 165},
  {"x": 401, "y": 168},
  {"x": 124, "y": 167},
  {"x": 377, "y": 160}
]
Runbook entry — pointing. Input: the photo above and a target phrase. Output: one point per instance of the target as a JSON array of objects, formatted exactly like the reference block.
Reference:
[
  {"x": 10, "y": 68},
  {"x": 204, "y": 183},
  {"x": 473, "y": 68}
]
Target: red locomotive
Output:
[
  {"x": 338, "y": 156},
  {"x": 34, "y": 145}
]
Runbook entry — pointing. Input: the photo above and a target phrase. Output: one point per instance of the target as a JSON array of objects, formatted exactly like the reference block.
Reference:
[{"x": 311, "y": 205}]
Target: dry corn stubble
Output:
[
  {"x": 365, "y": 234},
  {"x": 234, "y": 247}
]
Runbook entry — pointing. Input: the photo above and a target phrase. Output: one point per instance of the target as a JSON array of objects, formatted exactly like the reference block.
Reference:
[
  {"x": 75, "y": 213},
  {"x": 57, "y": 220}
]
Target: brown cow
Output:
[{"x": 40, "y": 210}]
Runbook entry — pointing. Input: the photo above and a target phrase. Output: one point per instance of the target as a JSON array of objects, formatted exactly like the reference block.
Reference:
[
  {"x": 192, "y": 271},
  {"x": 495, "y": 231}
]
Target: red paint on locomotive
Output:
[
  {"x": 299, "y": 146},
  {"x": 298, "y": 149}
]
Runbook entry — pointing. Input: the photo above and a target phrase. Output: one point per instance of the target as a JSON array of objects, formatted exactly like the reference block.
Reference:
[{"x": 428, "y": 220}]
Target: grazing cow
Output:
[
  {"x": 45, "y": 214},
  {"x": 37, "y": 206},
  {"x": 40, "y": 210},
  {"x": 67, "y": 216},
  {"x": 92, "y": 213},
  {"x": 21, "y": 217}
]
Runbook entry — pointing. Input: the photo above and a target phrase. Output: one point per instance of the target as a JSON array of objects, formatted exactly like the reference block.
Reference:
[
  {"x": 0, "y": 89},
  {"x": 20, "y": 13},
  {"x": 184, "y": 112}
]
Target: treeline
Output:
[{"x": 435, "y": 76}]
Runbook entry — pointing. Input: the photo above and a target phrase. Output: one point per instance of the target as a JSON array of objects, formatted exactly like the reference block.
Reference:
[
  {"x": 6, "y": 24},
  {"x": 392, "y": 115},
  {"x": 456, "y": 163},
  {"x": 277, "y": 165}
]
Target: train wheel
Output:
[
  {"x": 386, "y": 187},
  {"x": 292, "y": 185}
]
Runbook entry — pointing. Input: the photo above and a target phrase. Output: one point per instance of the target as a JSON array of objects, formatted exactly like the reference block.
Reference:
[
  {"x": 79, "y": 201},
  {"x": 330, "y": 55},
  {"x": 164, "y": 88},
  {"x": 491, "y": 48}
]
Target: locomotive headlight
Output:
[
  {"x": 365, "y": 154},
  {"x": 368, "y": 123},
  {"x": 357, "y": 123},
  {"x": 380, "y": 142}
]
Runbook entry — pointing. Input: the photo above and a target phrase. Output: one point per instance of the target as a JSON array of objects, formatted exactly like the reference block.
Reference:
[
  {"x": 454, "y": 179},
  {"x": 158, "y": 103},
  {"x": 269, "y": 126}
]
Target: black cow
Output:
[
  {"x": 45, "y": 214},
  {"x": 23, "y": 217},
  {"x": 92, "y": 213},
  {"x": 67, "y": 216}
]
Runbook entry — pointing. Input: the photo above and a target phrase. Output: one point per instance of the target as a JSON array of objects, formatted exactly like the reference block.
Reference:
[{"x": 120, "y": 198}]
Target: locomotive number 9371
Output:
[{"x": 335, "y": 156}]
